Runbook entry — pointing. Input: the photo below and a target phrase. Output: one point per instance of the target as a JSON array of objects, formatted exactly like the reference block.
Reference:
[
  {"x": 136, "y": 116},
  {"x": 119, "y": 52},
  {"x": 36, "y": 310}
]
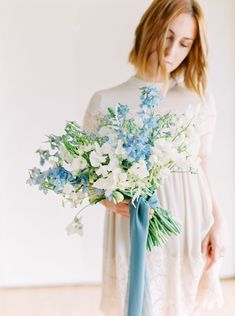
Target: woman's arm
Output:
[{"x": 215, "y": 242}]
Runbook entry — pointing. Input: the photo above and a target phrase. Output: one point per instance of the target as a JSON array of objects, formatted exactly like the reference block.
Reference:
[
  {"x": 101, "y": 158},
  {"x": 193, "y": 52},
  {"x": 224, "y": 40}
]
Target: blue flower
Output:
[
  {"x": 99, "y": 191},
  {"x": 75, "y": 180},
  {"x": 85, "y": 179},
  {"x": 105, "y": 139},
  {"x": 84, "y": 189},
  {"x": 58, "y": 177},
  {"x": 150, "y": 98},
  {"x": 122, "y": 110}
]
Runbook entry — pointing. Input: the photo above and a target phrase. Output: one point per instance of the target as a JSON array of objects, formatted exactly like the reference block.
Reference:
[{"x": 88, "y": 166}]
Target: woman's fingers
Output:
[
  {"x": 215, "y": 251},
  {"x": 122, "y": 205},
  {"x": 204, "y": 246},
  {"x": 213, "y": 257},
  {"x": 121, "y": 208},
  {"x": 123, "y": 212},
  {"x": 127, "y": 215},
  {"x": 126, "y": 202},
  {"x": 209, "y": 251}
]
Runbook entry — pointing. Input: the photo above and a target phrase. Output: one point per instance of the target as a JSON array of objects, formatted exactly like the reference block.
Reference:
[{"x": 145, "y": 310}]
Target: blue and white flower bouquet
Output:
[{"x": 128, "y": 157}]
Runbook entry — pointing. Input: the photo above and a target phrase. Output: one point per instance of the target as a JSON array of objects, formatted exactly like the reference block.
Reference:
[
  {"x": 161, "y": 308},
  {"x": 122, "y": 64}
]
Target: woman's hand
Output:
[
  {"x": 215, "y": 243},
  {"x": 122, "y": 208}
]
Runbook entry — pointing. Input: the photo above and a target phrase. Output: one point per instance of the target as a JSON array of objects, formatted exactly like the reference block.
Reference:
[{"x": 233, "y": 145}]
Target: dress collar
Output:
[{"x": 142, "y": 82}]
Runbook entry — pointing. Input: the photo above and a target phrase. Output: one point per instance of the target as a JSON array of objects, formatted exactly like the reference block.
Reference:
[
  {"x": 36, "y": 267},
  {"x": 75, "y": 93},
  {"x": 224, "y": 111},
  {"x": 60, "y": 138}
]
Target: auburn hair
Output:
[{"x": 152, "y": 30}]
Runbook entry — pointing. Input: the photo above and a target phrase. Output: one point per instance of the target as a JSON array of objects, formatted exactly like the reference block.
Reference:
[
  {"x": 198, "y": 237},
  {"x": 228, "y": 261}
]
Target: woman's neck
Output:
[{"x": 151, "y": 77}]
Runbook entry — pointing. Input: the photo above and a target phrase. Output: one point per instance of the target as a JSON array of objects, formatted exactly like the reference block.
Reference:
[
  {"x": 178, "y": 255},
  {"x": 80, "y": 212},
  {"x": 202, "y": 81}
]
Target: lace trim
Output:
[{"x": 179, "y": 286}]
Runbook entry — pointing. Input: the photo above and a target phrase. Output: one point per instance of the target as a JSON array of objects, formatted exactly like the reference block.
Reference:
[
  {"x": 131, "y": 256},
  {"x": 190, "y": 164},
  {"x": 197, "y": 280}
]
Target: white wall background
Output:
[{"x": 53, "y": 56}]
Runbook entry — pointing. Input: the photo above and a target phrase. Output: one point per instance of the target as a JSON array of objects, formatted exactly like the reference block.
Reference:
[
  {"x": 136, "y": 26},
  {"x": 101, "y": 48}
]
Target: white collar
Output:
[{"x": 172, "y": 82}]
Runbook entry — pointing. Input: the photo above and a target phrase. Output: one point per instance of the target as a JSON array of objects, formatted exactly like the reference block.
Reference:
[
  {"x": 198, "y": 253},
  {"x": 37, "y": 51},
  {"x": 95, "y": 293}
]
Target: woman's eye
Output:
[{"x": 183, "y": 45}]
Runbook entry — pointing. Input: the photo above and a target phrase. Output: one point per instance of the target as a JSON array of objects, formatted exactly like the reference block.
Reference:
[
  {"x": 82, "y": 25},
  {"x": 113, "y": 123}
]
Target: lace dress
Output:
[{"x": 180, "y": 286}]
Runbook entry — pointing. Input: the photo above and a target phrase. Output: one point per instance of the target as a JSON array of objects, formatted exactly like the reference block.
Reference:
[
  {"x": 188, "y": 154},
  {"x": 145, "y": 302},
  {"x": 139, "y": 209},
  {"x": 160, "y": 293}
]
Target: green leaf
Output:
[{"x": 111, "y": 112}]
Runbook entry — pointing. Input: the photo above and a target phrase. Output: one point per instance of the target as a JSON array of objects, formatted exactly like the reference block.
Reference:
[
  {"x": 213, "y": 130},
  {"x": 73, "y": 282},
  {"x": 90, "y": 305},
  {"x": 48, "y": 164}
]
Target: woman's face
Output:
[
  {"x": 179, "y": 40},
  {"x": 181, "y": 34}
]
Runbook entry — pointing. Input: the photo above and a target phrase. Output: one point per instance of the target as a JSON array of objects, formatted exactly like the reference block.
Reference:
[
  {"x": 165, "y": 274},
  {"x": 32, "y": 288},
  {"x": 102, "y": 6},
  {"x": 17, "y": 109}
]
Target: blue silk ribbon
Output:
[{"x": 138, "y": 300}]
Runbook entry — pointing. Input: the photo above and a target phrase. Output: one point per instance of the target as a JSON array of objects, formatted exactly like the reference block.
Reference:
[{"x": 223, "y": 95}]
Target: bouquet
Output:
[{"x": 128, "y": 157}]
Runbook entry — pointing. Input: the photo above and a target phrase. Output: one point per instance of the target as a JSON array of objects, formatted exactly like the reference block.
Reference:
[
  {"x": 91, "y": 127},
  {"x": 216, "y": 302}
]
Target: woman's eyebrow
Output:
[{"x": 187, "y": 38}]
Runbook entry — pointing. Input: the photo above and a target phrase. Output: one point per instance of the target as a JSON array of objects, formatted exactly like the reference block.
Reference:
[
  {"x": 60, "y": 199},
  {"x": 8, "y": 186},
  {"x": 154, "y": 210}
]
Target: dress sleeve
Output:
[
  {"x": 208, "y": 124},
  {"x": 92, "y": 111}
]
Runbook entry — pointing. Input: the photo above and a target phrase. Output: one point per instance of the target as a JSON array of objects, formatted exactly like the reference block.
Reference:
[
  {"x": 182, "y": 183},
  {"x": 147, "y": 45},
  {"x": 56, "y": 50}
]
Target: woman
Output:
[{"x": 170, "y": 51}]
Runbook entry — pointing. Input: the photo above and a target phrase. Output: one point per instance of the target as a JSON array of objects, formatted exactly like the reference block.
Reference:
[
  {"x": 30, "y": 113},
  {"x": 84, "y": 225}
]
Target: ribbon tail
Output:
[
  {"x": 147, "y": 303},
  {"x": 138, "y": 297}
]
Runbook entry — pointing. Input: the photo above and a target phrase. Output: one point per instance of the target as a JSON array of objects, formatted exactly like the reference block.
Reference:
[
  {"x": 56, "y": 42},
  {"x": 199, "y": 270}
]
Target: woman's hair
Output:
[{"x": 152, "y": 30}]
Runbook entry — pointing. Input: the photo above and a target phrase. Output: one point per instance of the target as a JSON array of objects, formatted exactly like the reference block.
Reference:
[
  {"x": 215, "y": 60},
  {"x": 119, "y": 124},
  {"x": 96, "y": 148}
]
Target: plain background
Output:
[{"x": 53, "y": 56}]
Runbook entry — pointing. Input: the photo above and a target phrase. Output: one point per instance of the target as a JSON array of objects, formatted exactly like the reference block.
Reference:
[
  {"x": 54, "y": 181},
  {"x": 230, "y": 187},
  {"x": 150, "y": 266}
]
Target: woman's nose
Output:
[{"x": 170, "y": 51}]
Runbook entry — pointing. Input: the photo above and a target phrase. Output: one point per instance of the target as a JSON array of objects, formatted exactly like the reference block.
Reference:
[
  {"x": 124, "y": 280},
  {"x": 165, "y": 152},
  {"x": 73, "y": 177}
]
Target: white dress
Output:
[{"x": 179, "y": 284}]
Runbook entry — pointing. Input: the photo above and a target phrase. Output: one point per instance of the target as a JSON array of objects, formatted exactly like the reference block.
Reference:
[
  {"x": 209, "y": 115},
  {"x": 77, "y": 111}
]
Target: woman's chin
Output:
[{"x": 169, "y": 67}]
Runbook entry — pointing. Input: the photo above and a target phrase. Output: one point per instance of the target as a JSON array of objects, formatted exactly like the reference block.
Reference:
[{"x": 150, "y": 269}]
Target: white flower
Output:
[
  {"x": 85, "y": 148},
  {"x": 88, "y": 147},
  {"x": 65, "y": 155},
  {"x": 96, "y": 156},
  {"x": 109, "y": 183},
  {"x": 53, "y": 161},
  {"x": 72, "y": 197},
  {"x": 113, "y": 164},
  {"x": 106, "y": 148},
  {"x": 76, "y": 197},
  {"x": 153, "y": 159},
  {"x": 122, "y": 176},
  {"x": 75, "y": 227},
  {"x": 105, "y": 183},
  {"x": 105, "y": 131},
  {"x": 165, "y": 151},
  {"x": 98, "y": 148},
  {"x": 120, "y": 179},
  {"x": 68, "y": 188},
  {"x": 102, "y": 170},
  {"x": 123, "y": 183},
  {"x": 113, "y": 139},
  {"x": 120, "y": 150},
  {"x": 164, "y": 154},
  {"x": 75, "y": 165},
  {"x": 139, "y": 169},
  {"x": 80, "y": 195},
  {"x": 78, "y": 163},
  {"x": 67, "y": 166},
  {"x": 116, "y": 173}
]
